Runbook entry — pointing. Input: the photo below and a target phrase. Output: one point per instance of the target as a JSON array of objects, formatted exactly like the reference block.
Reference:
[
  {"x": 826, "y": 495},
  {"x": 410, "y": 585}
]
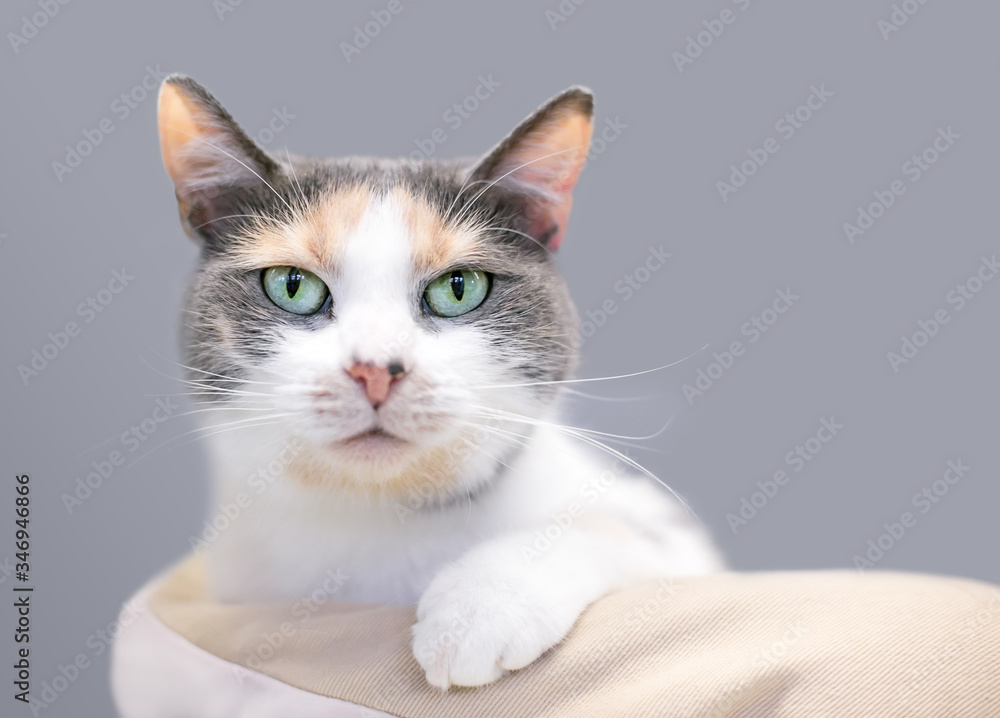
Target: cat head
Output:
[{"x": 401, "y": 321}]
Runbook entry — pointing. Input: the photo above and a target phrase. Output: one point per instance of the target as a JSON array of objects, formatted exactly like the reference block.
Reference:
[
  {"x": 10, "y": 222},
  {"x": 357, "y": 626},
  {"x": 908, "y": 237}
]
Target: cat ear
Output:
[
  {"x": 207, "y": 155},
  {"x": 541, "y": 161}
]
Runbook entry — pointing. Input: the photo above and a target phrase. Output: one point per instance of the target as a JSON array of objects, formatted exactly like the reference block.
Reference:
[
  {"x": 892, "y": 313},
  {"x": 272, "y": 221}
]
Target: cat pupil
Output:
[
  {"x": 293, "y": 281},
  {"x": 457, "y": 285}
]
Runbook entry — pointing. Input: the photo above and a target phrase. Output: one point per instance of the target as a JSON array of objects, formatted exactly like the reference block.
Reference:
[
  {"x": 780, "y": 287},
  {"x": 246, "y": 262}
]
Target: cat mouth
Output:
[{"x": 376, "y": 436}]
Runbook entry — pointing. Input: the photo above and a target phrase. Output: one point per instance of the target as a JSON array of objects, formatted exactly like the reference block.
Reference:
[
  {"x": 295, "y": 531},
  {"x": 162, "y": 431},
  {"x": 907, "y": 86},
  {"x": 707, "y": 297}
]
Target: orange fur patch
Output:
[
  {"x": 316, "y": 238},
  {"x": 313, "y": 240},
  {"x": 437, "y": 246},
  {"x": 434, "y": 472},
  {"x": 176, "y": 116}
]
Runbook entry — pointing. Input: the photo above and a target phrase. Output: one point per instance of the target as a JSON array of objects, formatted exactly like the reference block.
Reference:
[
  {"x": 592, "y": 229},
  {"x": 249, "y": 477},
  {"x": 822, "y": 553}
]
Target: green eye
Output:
[
  {"x": 295, "y": 290},
  {"x": 456, "y": 293}
]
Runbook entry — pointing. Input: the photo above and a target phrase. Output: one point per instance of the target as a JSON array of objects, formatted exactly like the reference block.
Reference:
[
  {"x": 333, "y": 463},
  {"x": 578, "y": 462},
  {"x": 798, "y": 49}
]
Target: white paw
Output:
[{"x": 472, "y": 627}]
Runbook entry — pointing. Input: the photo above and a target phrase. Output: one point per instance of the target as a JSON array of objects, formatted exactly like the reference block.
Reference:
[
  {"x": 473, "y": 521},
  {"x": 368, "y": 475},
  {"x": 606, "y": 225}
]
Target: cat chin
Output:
[
  {"x": 379, "y": 464},
  {"x": 374, "y": 448}
]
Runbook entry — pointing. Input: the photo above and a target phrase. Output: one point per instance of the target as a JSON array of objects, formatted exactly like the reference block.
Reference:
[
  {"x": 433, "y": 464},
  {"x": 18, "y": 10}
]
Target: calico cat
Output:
[{"x": 381, "y": 346}]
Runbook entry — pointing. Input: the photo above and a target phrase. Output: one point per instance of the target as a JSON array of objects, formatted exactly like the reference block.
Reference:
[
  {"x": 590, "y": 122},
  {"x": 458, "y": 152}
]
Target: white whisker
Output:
[
  {"x": 507, "y": 174},
  {"x": 514, "y": 231},
  {"x": 579, "y": 434},
  {"x": 501, "y": 414},
  {"x": 250, "y": 169},
  {"x": 597, "y": 378},
  {"x": 295, "y": 177},
  {"x": 237, "y": 424}
]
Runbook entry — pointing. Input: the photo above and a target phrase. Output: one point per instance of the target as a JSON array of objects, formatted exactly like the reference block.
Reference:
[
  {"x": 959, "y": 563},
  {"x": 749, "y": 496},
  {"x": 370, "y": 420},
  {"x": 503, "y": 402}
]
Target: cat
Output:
[{"x": 380, "y": 346}]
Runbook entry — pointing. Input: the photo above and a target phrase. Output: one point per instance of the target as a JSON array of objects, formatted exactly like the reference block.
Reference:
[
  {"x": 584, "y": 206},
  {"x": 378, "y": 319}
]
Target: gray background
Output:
[{"x": 654, "y": 185}]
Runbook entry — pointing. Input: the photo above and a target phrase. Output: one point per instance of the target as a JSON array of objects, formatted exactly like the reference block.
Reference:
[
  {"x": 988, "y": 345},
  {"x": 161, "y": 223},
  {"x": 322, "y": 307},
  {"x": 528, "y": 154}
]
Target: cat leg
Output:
[{"x": 507, "y": 601}]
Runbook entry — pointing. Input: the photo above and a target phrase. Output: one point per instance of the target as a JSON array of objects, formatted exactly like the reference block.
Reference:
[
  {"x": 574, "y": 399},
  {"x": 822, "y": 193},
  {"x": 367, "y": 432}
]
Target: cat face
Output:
[{"x": 401, "y": 320}]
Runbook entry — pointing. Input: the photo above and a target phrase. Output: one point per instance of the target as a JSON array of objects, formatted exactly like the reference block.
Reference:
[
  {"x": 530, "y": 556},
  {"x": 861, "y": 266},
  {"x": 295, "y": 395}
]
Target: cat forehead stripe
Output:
[
  {"x": 313, "y": 238},
  {"x": 317, "y": 236}
]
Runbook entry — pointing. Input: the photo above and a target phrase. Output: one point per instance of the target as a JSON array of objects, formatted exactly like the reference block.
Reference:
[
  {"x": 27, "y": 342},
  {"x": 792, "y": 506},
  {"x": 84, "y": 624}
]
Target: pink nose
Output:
[{"x": 377, "y": 380}]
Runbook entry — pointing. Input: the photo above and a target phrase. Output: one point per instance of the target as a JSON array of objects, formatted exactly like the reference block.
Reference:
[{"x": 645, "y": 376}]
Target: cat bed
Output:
[{"x": 730, "y": 645}]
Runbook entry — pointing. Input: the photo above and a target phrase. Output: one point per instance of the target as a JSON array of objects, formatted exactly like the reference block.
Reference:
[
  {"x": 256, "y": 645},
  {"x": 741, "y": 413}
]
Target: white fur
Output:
[{"x": 491, "y": 594}]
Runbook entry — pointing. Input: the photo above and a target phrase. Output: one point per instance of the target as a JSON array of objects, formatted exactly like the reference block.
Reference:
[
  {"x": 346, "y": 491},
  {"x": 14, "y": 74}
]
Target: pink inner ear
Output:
[
  {"x": 550, "y": 206},
  {"x": 552, "y": 219},
  {"x": 559, "y": 213},
  {"x": 546, "y": 168}
]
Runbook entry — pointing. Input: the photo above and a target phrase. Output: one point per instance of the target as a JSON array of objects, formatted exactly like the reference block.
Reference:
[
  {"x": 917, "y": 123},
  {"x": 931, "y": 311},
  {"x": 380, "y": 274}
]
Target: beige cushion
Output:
[{"x": 817, "y": 644}]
